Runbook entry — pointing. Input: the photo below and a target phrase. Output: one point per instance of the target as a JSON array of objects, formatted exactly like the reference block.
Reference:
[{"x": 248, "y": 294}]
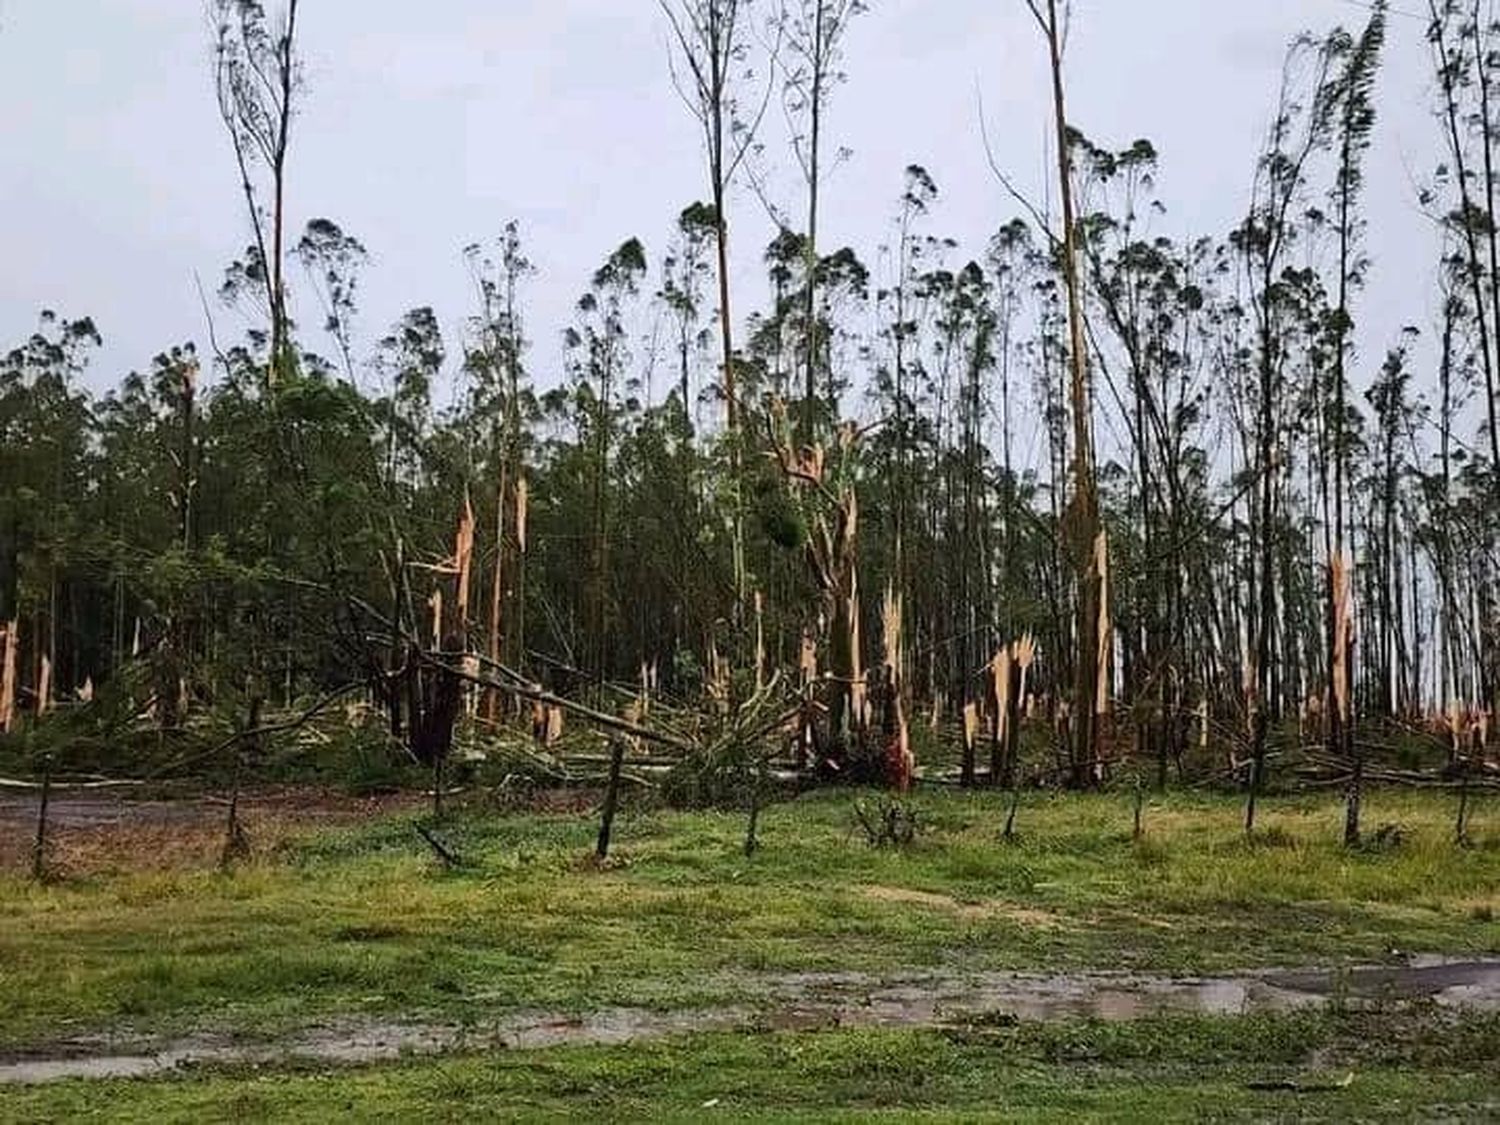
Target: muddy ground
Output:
[
  {"x": 92, "y": 831},
  {"x": 800, "y": 1002}
]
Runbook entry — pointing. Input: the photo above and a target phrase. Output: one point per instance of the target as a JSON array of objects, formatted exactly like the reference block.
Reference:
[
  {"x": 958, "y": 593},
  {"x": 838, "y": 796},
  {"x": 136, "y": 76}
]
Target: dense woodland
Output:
[{"x": 1248, "y": 537}]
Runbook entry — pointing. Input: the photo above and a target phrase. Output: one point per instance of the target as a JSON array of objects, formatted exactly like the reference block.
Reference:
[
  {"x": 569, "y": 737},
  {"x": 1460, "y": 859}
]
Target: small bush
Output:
[{"x": 889, "y": 824}]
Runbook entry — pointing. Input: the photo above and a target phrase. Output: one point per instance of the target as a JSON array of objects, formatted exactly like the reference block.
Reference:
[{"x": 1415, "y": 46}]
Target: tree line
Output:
[{"x": 1238, "y": 530}]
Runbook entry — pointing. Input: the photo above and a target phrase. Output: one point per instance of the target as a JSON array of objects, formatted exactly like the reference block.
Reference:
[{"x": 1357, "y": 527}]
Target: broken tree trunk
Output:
[
  {"x": 846, "y": 718},
  {"x": 971, "y": 739},
  {"x": 10, "y": 644},
  {"x": 899, "y": 762},
  {"x": 1000, "y": 700},
  {"x": 497, "y": 596},
  {"x": 1083, "y": 508},
  {"x": 1343, "y": 658},
  {"x": 1023, "y": 654}
]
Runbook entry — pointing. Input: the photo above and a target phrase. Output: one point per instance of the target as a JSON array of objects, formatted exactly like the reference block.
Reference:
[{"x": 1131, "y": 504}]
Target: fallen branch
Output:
[
  {"x": 14, "y": 783},
  {"x": 518, "y": 685},
  {"x": 449, "y": 858}
]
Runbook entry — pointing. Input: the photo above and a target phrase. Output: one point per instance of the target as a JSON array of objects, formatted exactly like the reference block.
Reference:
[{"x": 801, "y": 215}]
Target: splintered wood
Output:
[
  {"x": 1343, "y": 634},
  {"x": 760, "y": 642},
  {"x": 463, "y": 558},
  {"x": 1000, "y": 673},
  {"x": 890, "y": 625},
  {"x": 899, "y": 763},
  {"x": 1106, "y": 629},
  {"x": 1024, "y": 654},
  {"x": 44, "y": 687},
  {"x": 848, "y": 620},
  {"x": 10, "y": 643},
  {"x": 523, "y": 492},
  {"x": 807, "y": 663},
  {"x": 546, "y": 723}
]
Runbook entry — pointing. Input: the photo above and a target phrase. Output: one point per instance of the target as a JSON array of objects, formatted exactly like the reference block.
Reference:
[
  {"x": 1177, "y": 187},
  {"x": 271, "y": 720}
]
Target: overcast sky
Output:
[{"x": 426, "y": 126}]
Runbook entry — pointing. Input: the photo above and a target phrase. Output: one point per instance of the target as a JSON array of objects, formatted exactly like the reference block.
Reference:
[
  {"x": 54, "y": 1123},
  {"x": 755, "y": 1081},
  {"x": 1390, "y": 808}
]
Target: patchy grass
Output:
[
  {"x": 1367, "y": 1067},
  {"x": 358, "y": 919}
]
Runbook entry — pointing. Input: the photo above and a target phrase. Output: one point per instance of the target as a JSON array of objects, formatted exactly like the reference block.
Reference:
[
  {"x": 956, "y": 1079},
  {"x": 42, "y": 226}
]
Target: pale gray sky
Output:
[{"x": 426, "y": 126}]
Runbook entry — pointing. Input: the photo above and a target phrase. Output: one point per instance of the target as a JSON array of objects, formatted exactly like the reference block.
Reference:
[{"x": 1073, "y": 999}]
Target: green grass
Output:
[
  {"x": 360, "y": 922},
  {"x": 1403, "y": 1067}
]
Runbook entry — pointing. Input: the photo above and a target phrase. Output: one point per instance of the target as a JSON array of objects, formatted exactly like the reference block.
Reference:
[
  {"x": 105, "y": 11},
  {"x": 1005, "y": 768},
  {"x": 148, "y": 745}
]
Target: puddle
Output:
[
  {"x": 808, "y": 1001},
  {"x": 852, "y": 999},
  {"x": 372, "y": 1042}
]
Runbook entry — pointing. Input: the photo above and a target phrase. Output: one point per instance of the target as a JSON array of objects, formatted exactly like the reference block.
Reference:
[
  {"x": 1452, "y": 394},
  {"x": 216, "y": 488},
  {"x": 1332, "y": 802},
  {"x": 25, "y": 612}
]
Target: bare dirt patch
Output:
[
  {"x": 971, "y": 911},
  {"x": 91, "y": 832}
]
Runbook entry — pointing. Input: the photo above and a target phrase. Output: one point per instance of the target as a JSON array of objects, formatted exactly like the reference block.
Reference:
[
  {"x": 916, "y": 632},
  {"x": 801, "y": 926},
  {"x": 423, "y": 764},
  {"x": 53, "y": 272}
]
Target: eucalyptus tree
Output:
[
  {"x": 683, "y": 271},
  {"x": 598, "y": 357},
  {"x": 1264, "y": 242},
  {"x": 1084, "y": 528},
  {"x": 1151, "y": 295},
  {"x": 1123, "y": 265},
  {"x": 972, "y": 310},
  {"x": 44, "y": 435},
  {"x": 1397, "y": 417},
  {"x": 812, "y": 34},
  {"x": 1009, "y": 261},
  {"x": 1457, "y": 373},
  {"x": 772, "y": 335},
  {"x": 502, "y": 403},
  {"x": 1465, "y": 36},
  {"x": 713, "y": 72},
  {"x": 1463, "y": 39},
  {"x": 257, "y": 80},
  {"x": 333, "y": 260},
  {"x": 829, "y": 328},
  {"x": 1348, "y": 102},
  {"x": 842, "y": 281},
  {"x": 900, "y": 369}
]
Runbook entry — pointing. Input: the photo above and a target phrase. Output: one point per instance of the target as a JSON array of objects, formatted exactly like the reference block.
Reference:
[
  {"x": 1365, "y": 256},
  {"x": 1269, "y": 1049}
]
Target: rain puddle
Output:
[
  {"x": 807, "y": 1001},
  {"x": 855, "y": 1000}
]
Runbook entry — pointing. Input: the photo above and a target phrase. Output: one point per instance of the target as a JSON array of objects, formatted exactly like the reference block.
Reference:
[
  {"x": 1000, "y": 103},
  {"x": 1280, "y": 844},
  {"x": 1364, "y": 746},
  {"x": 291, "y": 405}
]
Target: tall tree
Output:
[
  {"x": 1084, "y": 527},
  {"x": 257, "y": 75},
  {"x": 1348, "y": 101},
  {"x": 712, "y": 40},
  {"x": 812, "y": 34}
]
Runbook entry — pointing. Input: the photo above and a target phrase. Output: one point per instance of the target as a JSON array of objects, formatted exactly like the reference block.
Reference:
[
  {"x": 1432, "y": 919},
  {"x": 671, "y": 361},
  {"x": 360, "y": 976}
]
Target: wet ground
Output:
[{"x": 806, "y": 1001}]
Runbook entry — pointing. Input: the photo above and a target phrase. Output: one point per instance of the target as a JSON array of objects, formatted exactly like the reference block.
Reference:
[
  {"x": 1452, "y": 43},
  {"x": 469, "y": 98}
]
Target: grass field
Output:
[{"x": 361, "y": 921}]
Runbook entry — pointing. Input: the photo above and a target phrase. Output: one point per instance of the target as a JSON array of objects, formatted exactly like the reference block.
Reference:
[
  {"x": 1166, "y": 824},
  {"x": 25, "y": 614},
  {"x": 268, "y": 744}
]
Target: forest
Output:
[{"x": 757, "y": 555}]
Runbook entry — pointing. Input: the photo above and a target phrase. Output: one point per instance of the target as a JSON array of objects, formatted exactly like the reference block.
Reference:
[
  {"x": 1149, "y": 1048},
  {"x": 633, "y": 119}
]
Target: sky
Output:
[{"x": 425, "y": 127}]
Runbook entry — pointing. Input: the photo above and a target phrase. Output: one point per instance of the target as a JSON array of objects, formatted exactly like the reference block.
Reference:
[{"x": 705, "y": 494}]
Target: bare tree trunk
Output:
[
  {"x": 39, "y": 847},
  {"x": 287, "y": 76},
  {"x": 810, "y": 250},
  {"x": 497, "y": 592},
  {"x": 1084, "y": 509}
]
